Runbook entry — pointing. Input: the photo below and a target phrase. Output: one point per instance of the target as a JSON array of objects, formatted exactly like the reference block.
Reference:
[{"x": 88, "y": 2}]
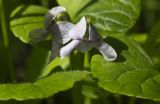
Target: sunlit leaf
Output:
[
  {"x": 109, "y": 16},
  {"x": 25, "y": 19},
  {"x": 57, "y": 62},
  {"x": 131, "y": 74},
  {"x": 42, "y": 88}
]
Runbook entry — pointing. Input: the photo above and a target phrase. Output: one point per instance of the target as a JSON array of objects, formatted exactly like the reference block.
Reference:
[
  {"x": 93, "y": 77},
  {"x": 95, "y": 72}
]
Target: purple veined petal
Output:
[
  {"x": 91, "y": 42},
  {"x": 50, "y": 16},
  {"x": 54, "y": 51},
  {"x": 85, "y": 46},
  {"x": 107, "y": 51},
  {"x": 78, "y": 32},
  {"x": 66, "y": 50},
  {"x": 93, "y": 34},
  {"x": 38, "y": 35},
  {"x": 60, "y": 31}
]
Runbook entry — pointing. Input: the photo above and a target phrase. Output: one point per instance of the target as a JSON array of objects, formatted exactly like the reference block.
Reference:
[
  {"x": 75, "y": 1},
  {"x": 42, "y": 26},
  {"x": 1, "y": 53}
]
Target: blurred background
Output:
[{"x": 22, "y": 57}]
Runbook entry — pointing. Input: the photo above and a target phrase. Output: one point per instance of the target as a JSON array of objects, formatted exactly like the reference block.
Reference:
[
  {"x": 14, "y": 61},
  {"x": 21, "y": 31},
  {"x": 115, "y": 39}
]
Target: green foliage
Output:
[
  {"x": 109, "y": 16},
  {"x": 57, "y": 63},
  {"x": 42, "y": 88},
  {"x": 132, "y": 76},
  {"x": 24, "y": 19},
  {"x": 134, "y": 73},
  {"x": 35, "y": 64},
  {"x": 152, "y": 44}
]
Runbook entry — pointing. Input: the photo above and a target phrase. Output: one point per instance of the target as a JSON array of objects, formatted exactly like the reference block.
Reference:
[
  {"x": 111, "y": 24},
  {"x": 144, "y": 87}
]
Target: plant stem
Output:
[
  {"x": 77, "y": 60},
  {"x": 77, "y": 97},
  {"x": 6, "y": 39},
  {"x": 87, "y": 60},
  {"x": 4, "y": 25}
]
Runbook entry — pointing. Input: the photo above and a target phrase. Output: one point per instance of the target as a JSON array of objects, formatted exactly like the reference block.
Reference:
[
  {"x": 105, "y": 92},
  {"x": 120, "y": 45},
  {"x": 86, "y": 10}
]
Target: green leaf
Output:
[
  {"x": 24, "y": 19},
  {"x": 109, "y": 16},
  {"x": 89, "y": 91},
  {"x": 131, "y": 74},
  {"x": 42, "y": 88},
  {"x": 73, "y": 6},
  {"x": 152, "y": 44},
  {"x": 57, "y": 62},
  {"x": 139, "y": 37}
]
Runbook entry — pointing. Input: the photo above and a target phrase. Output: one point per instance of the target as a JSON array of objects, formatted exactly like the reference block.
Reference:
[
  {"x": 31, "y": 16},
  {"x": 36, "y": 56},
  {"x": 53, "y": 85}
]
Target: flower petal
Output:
[
  {"x": 107, "y": 51},
  {"x": 93, "y": 34},
  {"x": 78, "y": 32},
  {"x": 38, "y": 35},
  {"x": 60, "y": 31},
  {"x": 50, "y": 16},
  {"x": 85, "y": 46},
  {"x": 54, "y": 51},
  {"x": 66, "y": 50}
]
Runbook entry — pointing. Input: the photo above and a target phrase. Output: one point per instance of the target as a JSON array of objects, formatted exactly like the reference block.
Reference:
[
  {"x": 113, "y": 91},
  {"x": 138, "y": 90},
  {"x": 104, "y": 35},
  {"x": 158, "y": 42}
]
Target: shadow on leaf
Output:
[
  {"x": 119, "y": 46},
  {"x": 20, "y": 12}
]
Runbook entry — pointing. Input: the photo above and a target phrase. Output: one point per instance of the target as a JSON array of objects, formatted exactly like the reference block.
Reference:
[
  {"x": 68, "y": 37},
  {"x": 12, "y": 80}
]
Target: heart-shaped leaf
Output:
[
  {"x": 24, "y": 19},
  {"x": 132, "y": 74},
  {"x": 109, "y": 16}
]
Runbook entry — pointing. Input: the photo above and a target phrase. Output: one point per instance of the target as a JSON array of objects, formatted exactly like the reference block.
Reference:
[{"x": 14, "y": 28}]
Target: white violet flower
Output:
[{"x": 68, "y": 36}]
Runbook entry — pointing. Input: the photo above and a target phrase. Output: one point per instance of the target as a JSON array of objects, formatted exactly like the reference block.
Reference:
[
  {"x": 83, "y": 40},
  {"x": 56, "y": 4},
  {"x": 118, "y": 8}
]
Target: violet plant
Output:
[
  {"x": 67, "y": 36},
  {"x": 85, "y": 51}
]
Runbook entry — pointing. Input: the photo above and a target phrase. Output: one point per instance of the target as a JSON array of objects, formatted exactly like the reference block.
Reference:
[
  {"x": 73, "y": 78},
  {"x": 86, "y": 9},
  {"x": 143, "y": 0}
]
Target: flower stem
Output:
[
  {"x": 77, "y": 97},
  {"x": 6, "y": 39},
  {"x": 4, "y": 25},
  {"x": 87, "y": 60},
  {"x": 77, "y": 60}
]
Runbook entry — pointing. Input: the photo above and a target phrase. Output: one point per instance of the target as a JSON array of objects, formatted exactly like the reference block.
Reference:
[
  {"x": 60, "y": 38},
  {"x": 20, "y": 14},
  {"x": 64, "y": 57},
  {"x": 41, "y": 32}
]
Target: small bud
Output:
[{"x": 51, "y": 15}]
